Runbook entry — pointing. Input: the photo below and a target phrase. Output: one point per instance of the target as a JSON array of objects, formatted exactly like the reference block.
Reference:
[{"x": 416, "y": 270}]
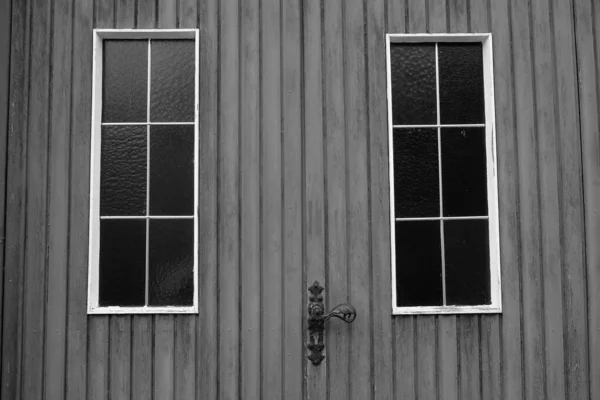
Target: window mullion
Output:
[
  {"x": 148, "y": 178},
  {"x": 439, "y": 138}
]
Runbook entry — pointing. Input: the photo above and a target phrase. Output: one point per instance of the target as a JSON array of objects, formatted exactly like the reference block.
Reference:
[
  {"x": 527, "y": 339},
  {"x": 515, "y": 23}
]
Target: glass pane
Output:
[
  {"x": 123, "y": 170},
  {"x": 461, "y": 83},
  {"x": 467, "y": 262},
  {"x": 125, "y": 80},
  {"x": 464, "y": 174},
  {"x": 122, "y": 262},
  {"x": 413, "y": 83},
  {"x": 171, "y": 170},
  {"x": 416, "y": 173},
  {"x": 171, "y": 262},
  {"x": 418, "y": 264},
  {"x": 172, "y": 81}
]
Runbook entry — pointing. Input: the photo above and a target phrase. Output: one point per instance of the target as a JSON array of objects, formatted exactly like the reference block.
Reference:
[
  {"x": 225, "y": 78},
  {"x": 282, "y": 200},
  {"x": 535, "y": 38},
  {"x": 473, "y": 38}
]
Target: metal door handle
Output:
[{"x": 317, "y": 318}]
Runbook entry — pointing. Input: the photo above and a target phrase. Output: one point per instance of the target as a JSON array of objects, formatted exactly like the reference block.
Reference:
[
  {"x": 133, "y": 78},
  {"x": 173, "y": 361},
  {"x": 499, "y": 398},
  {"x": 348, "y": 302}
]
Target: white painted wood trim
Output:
[
  {"x": 96, "y": 126},
  {"x": 492, "y": 172}
]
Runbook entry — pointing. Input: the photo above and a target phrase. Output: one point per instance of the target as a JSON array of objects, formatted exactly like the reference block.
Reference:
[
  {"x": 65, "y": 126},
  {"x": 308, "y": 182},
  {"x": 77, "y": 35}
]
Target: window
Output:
[
  {"x": 144, "y": 175},
  {"x": 443, "y": 183}
]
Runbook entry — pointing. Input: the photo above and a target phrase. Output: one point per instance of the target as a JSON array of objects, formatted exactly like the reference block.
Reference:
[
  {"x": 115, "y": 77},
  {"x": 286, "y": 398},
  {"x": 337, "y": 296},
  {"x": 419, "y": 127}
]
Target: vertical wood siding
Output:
[{"x": 294, "y": 178}]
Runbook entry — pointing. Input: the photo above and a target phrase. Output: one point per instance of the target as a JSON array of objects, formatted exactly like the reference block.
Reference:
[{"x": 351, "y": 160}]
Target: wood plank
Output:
[
  {"x": 167, "y": 14},
  {"x": 36, "y": 238},
  {"x": 448, "y": 363},
  {"x": 228, "y": 192},
  {"x": 396, "y": 13},
  {"x": 185, "y": 357},
  {"x": 314, "y": 197},
  {"x": 142, "y": 327},
  {"x": 271, "y": 204},
  {"x": 479, "y": 16},
  {"x": 188, "y": 14},
  {"x": 98, "y": 358},
  {"x": 207, "y": 326},
  {"x": 416, "y": 16},
  {"x": 99, "y": 326},
  {"x": 468, "y": 353},
  {"x": 125, "y": 10},
  {"x": 58, "y": 204},
  {"x": 437, "y": 16},
  {"x": 5, "y": 43},
  {"x": 458, "y": 17},
  {"x": 590, "y": 145},
  {"x": 120, "y": 357},
  {"x": 338, "y": 335},
  {"x": 358, "y": 218},
  {"x": 382, "y": 368},
  {"x": 506, "y": 138},
  {"x": 547, "y": 152},
  {"x": 571, "y": 204},
  {"x": 294, "y": 287},
  {"x": 426, "y": 357},
  {"x": 146, "y": 14},
  {"x": 250, "y": 207},
  {"x": 77, "y": 325},
  {"x": 10, "y": 369},
  {"x": 163, "y": 363},
  {"x": 531, "y": 280},
  {"x": 405, "y": 358}
]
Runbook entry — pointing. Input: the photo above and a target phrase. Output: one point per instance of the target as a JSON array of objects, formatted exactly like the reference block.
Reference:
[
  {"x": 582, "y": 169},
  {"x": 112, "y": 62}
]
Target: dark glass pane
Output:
[
  {"x": 464, "y": 179},
  {"x": 171, "y": 170},
  {"x": 122, "y": 262},
  {"x": 171, "y": 262},
  {"x": 413, "y": 83},
  {"x": 461, "y": 83},
  {"x": 125, "y": 81},
  {"x": 416, "y": 173},
  {"x": 418, "y": 264},
  {"x": 123, "y": 170},
  {"x": 173, "y": 85},
  {"x": 467, "y": 262}
]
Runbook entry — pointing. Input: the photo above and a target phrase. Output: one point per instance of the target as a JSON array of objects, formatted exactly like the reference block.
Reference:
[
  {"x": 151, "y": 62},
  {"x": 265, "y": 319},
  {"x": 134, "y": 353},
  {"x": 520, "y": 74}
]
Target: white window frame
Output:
[
  {"x": 492, "y": 176},
  {"x": 94, "y": 240}
]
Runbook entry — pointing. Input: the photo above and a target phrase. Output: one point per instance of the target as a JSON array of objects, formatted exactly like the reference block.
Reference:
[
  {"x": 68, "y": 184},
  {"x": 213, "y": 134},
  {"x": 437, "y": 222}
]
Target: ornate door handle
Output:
[{"x": 317, "y": 318}]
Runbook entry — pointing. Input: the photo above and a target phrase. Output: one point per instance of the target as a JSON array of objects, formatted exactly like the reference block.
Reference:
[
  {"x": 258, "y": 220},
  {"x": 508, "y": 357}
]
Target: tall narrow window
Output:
[
  {"x": 144, "y": 175},
  {"x": 444, "y": 207}
]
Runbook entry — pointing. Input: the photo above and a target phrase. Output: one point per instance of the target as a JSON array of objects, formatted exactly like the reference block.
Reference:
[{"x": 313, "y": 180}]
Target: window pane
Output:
[
  {"x": 461, "y": 83},
  {"x": 122, "y": 262},
  {"x": 416, "y": 174},
  {"x": 173, "y": 85},
  {"x": 171, "y": 170},
  {"x": 418, "y": 264},
  {"x": 125, "y": 80},
  {"x": 413, "y": 83},
  {"x": 123, "y": 170},
  {"x": 467, "y": 262},
  {"x": 171, "y": 262},
  {"x": 464, "y": 173}
]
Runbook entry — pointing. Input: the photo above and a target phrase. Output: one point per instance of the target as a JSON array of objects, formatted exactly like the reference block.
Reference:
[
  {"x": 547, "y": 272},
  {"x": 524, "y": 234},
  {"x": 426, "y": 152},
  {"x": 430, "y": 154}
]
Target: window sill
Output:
[
  {"x": 143, "y": 310},
  {"x": 435, "y": 310}
]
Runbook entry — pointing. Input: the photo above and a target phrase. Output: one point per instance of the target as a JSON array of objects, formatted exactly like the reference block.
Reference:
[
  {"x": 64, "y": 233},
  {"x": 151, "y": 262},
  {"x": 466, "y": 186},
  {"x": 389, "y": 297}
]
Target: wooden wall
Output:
[{"x": 295, "y": 183}]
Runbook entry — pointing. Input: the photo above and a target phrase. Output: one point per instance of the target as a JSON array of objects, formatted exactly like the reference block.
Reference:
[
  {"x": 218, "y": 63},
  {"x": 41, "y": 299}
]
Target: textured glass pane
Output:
[
  {"x": 413, "y": 83},
  {"x": 464, "y": 179},
  {"x": 172, "y": 81},
  {"x": 416, "y": 173},
  {"x": 467, "y": 262},
  {"x": 171, "y": 170},
  {"x": 123, "y": 170},
  {"x": 418, "y": 264},
  {"x": 125, "y": 81},
  {"x": 122, "y": 262},
  {"x": 461, "y": 83},
  {"x": 171, "y": 262}
]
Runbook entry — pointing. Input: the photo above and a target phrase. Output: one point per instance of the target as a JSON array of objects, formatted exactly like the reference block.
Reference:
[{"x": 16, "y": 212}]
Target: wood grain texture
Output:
[
  {"x": 338, "y": 335},
  {"x": 587, "y": 17},
  {"x": 250, "y": 192}
]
